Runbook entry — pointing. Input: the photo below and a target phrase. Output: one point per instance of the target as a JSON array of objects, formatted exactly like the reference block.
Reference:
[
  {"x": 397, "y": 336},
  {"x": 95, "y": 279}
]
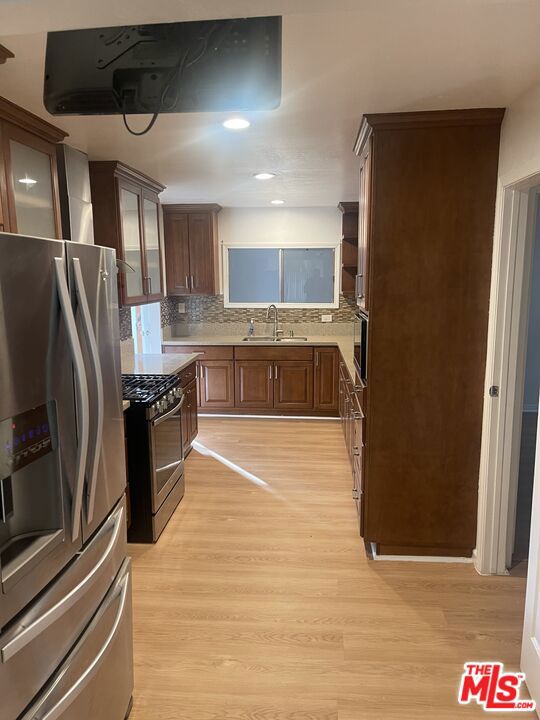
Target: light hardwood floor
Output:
[{"x": 259, "y": 603}]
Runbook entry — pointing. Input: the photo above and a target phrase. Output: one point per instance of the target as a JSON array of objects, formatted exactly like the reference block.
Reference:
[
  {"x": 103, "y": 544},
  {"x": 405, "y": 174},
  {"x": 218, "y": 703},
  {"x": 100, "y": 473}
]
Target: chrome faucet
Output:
[{"x": 277, "y": 331}]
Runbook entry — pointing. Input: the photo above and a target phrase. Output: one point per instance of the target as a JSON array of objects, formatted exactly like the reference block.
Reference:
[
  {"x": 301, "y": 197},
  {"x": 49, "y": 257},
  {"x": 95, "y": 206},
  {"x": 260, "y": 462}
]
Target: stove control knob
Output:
[{"x": 154, "y": 408}]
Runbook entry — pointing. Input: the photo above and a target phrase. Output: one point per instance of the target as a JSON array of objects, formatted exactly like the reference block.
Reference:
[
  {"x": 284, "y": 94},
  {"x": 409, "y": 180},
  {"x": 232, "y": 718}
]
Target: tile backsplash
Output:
[
  {"x": 210, "y": 309},
  {"x": 125, "y": 323}
]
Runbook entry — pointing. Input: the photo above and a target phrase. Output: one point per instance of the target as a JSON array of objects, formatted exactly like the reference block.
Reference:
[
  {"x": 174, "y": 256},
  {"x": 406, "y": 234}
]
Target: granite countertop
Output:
[
  {"x": 125, "y": 405},
  {"x": 343, "y": 342},
  {"x": 157, "y": 364}
]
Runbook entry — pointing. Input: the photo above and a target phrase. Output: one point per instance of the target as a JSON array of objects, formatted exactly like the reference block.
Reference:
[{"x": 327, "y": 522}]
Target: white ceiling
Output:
[{"x": 341, "y": 58}]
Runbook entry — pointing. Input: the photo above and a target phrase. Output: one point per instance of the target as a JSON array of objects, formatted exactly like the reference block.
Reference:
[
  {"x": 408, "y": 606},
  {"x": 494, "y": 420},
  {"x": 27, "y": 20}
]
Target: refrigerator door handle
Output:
[
  {"x": 121, "y": 591},
  {"x": 30, "y": 632},
  {"x": 81, "y": 389},
  {"x": 96, "y": 364}
]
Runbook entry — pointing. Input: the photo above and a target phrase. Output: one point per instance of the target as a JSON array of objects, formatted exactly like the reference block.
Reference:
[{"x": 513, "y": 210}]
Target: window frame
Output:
[{"x": 335, "y": 246}]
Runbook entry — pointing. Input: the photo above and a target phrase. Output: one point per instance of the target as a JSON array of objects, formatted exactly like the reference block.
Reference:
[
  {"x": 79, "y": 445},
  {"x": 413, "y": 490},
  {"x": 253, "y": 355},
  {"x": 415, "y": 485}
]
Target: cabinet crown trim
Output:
[
  {"x": 5, "y": 54},
  {"x": 348, "y": 207},
  {"x": 424, "y": 119},
  {"x": 127, "y": 173},
  {"x": 193, "y": 208},
  {"x": 9, "y": 112}
]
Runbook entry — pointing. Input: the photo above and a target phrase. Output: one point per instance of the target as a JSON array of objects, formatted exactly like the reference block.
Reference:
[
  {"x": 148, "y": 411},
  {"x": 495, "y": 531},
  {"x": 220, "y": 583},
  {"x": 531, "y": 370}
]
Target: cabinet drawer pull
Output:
[{"x": 187, "y": 282}]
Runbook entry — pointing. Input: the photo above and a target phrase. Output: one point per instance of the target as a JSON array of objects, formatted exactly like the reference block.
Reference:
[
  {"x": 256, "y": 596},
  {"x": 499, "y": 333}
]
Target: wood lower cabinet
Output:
[
  {"x": 190, "y": 424},
  {"x": 351, "y": 399},
  {"x": 216, "y": 383},
  {"x": 285, "y": 380},
  {"x": 326, "y": 378},
  {"x": 293, "y": 385},
  {"x": 192, "y": 418},
  {"x": 428, "y": 184},
  {"x": 254, "y": 384}
]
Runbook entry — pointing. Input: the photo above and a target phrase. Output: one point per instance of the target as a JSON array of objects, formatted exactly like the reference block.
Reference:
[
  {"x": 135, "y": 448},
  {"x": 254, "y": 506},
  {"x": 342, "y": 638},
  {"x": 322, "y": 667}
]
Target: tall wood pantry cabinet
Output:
[
  {"x": 426, "y": 215},
  {"x": 126, "y": 217},
  {"x": 29, "y": 197},
  {"x": 191, "y": 249}
]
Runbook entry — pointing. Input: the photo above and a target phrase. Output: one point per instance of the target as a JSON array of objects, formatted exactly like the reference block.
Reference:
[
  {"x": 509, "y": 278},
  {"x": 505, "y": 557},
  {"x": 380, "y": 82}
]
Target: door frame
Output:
[{"x": 505, "y": 368}]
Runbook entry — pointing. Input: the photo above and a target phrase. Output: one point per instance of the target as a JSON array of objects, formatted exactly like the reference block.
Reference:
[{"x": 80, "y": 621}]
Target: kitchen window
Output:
[{"x": 296, "y": 277}]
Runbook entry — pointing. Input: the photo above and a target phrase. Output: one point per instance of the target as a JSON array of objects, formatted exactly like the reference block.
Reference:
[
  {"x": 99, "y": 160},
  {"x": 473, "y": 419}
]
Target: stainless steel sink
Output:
[
  {"x": 258, "y": 338},
  {"x": 268, "y": 338}
]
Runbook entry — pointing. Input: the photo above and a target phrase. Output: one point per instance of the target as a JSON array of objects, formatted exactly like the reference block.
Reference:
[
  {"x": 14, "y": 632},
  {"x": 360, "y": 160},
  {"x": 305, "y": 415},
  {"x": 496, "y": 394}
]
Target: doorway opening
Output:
[
  {"x": 504, "y": 503},
  {"x": 520, "y": 506}
]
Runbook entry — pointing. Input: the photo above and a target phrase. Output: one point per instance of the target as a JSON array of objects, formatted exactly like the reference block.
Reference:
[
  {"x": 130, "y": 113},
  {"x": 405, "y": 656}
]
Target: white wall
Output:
[
  {"x": 519, "y": 159},
  {"x": 288, "y": 225},
  {"x": 520, "y": 139},
  {"x": 532, "y": 370},
  {"x": 318, "y": 225}
]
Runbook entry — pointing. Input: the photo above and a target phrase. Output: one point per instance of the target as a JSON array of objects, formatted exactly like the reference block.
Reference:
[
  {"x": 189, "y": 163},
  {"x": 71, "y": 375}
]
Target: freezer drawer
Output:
[
  {"x": 34, "y": 645},
  {"x": 96, "y": 679}
]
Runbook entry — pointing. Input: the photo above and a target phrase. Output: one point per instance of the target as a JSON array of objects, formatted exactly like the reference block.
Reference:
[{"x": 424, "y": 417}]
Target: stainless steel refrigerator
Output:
[{"x": 65, "y": 579}]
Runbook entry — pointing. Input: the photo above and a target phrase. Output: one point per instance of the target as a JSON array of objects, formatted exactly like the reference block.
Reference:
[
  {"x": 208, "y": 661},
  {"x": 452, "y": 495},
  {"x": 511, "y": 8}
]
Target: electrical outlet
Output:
[
  {"x": 182, "y": 308},
  {"x": 326, "y": 318}
]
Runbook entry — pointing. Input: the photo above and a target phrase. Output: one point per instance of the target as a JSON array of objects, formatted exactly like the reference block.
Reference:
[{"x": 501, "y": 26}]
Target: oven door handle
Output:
[{"x": 167, "y": 415}]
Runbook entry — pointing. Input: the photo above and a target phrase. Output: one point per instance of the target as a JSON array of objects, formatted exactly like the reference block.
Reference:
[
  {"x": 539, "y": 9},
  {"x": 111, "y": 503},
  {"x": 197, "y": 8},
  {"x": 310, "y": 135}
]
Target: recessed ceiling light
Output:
[
  {"x": 236, "y": 123},
  {"x": 264, "y": 176},
  {"x": 277, "y": 202},
  {"x": 27, "y": 181}
]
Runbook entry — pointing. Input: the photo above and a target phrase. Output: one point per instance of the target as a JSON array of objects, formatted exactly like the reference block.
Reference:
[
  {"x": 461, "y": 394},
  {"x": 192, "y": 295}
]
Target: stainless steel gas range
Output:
[{"x": 155, "y": 454}]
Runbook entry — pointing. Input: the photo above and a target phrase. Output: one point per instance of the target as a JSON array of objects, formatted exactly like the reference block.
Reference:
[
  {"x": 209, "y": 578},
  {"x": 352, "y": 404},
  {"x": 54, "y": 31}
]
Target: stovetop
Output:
[{"x": 146, "y": 388}]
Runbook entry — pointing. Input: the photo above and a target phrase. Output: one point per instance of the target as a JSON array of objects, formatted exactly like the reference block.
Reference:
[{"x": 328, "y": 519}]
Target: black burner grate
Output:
[{"x": 146, "y": 388}]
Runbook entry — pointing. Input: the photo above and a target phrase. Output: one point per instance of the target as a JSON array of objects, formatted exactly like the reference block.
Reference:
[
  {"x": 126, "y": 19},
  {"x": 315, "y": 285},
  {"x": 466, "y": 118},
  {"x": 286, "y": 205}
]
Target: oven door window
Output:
[{"x": 168, "y": 454}]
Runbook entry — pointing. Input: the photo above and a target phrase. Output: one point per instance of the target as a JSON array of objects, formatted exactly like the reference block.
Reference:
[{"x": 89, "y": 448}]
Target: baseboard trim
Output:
[
  {"x": 417, "y": 558},
  {"x": 270, "y": 417}
]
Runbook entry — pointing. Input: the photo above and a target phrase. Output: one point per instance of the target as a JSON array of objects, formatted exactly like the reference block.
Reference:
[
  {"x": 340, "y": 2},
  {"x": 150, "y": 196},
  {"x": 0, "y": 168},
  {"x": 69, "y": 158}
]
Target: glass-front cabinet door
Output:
[
  {"x": 130, "y": 218},
  {"x": 152, "y": 247},
  {"x": 32, "y": 190}
]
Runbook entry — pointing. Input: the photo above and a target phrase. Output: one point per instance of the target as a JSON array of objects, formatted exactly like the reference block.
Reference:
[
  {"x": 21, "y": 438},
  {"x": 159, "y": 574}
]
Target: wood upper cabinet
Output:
[
  {"x": 216, "y": 383},
  {"x": 29, "y": 195},
  {"x": 349, "y": 246},
  {"x": 326, "y": 378},
  {"x": 176, "y": 238},
  {"x": 293, "y": 385},
  {"x": 126, "y": 217},
  {"x": 254, "y": 384},
  {"x": 191, "y": 249},
  {"x": 364, "y": 149}
]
